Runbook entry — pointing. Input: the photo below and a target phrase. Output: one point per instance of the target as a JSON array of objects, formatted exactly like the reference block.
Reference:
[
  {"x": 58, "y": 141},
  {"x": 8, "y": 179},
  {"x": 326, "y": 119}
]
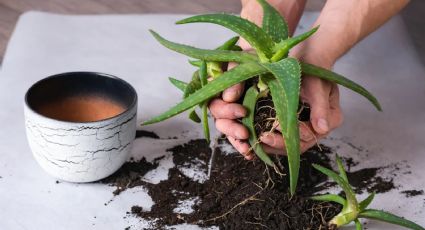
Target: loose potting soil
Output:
[{"x": 239, "y": 194}]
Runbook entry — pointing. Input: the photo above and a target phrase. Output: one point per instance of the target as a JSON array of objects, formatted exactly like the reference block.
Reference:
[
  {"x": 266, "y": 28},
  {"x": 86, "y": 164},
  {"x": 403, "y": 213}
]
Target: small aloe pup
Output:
[
  {"x": 276, "y": 75},
  {"x": 352, "y": 210}
]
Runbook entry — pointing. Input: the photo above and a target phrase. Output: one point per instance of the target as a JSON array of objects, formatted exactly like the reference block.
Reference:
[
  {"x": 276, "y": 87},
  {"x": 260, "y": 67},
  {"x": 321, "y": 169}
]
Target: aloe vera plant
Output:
[
  {"x": 278, "y": 75},
  {"x": 352, "y": 210}
]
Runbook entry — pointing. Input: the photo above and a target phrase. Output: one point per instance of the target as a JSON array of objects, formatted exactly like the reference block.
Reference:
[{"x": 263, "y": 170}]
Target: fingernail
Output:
[
  {"x": 323, "y": 125},
  {"x": 240, "y": 113}
]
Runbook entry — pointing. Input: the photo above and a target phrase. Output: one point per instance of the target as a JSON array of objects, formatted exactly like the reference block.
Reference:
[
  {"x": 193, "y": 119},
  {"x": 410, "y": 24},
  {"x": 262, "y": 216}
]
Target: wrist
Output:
[{"x": 314, "y": 55}]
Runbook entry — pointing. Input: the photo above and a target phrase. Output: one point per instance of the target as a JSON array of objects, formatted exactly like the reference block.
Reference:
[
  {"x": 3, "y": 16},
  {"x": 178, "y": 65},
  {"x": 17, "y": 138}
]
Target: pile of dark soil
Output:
[{"x": 240, "y": 194}]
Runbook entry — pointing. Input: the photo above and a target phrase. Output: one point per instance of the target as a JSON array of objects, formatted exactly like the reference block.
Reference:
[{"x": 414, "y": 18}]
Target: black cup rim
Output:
[{"x": 61, "y": 75}]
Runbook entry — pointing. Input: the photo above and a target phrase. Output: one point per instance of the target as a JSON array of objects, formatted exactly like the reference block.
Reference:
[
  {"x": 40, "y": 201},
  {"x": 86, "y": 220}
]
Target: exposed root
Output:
[{"x": 251, "y": 198}]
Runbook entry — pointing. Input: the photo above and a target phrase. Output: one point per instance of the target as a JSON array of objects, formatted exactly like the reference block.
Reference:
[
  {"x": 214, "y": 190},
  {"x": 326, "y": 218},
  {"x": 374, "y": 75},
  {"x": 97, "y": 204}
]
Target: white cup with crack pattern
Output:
[{"x": 72, "y": 144}]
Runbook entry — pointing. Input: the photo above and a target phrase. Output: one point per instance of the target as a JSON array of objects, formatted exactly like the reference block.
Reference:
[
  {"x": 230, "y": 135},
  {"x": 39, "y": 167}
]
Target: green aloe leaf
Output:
[
  {"x": 273, "y": 23},
  {"x": 204, "y": 54},
  {"x": 249, "y": 102},
  {"x": 205, "y": 124},
  {"x": 341, "y": 169},
  {"x": 282, "y": 49},
  {"x": 253, "y": 34},
  {"x": 389, "y": 218},
  {"x": 193, "y": 86},
  {"x": 285, "y": 90},
  {"x": 238, "y": 74},
  {"x": 358, "y": 224},
  {"x": 196, "y": 63},
  {"x": 203, "y": 75},
  {"x": 349, "y": 193},
  {"x": 330, "y": 198},
  {"x": 229, "y": 44},
  {"x": 181, "y": 85},
  {"x": 366, "y": 202},
  {"x": 193, "y": 115},
  {"x": 320, "y": 72}
]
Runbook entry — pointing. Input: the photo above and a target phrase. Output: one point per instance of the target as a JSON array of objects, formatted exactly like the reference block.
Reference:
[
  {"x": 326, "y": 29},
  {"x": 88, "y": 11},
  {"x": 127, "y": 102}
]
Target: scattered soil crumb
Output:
[
  {"x": 412, "y": 193},
  {"x": 130, "y": 175},
  {"x": 349, "y": 162},
  {"x": 367, "y": 179},
  {"x": 146, "y": 134}
]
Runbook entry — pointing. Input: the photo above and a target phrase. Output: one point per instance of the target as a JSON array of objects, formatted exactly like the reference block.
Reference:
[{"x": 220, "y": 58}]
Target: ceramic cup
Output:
[{"x": 80, "y": 151}]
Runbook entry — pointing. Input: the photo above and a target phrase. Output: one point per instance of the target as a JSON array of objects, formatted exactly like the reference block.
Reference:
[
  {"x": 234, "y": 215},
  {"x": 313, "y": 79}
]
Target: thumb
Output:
[
  {"x": 318, "y": 98},
  {"x": 233, "y": 93}
]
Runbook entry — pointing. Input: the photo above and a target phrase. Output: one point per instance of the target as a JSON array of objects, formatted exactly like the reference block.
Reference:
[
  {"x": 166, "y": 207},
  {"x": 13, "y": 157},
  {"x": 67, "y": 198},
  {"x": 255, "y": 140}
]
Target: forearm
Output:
[
  {"x": 345, "y": 23},
  {"x": 291, "y": 10}
]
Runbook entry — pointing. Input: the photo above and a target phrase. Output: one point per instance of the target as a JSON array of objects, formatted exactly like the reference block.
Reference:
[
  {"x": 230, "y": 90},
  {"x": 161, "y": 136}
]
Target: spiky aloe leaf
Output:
[
  {"x": 349, "y": 193},
  {"x": 203, "y": 75},
  {"x": 358, "y": 224},
  {"x": 282, "y": 49},
  {"x": 273, "y": 23},
  {"x": 389, "y": 218},
  {"x": 341, "y": 169},
  {"x": 366, "y": 202},
  {"x": 193, "y": 85},
  {"x": 238, "y": 74},
  {"x": 285, "y": 91},
  {"x": 249, "y": 102},
  {"x": 205, "y": 124},
  {"x": 229, "y": 44},
  {"x": 330, "y": 198},
  {"x": 181, "y": 85},
  {"x": 204, "y": 54},
  {"x": 320, "y": 72},
  {"x": 193, "y": 115},
  {"x": 196, "y": 63},
  {"x": 253, "y": 34}
]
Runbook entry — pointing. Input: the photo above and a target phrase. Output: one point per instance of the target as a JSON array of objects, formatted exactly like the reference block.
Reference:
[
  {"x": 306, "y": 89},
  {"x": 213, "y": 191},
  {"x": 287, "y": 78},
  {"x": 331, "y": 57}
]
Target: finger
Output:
[
  {"x": 317, "y": 93},
  {"x": 306, "y": 131},
  {"x": 336, "y": 116},
  {"x": 276, "y": 125},
  {"x": 270, "y": 150},
  {"x": 242, "y": 147},
  {"x": 224, "y": 110},
  {"x": 232, "y": 128},
  {"x": 306, "y": 145},
  {"x": 233, "y": 93},
  {"x": 272, "y": 139}
]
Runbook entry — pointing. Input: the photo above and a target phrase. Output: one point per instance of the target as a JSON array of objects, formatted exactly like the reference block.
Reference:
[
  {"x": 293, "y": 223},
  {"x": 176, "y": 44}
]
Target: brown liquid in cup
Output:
[{"x": 81, "y": 109}]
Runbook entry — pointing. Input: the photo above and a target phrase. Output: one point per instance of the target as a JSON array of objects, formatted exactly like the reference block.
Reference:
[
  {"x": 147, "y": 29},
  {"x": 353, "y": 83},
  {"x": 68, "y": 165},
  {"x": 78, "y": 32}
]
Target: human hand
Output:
[
  {"x": 325, "y": 115},
  {"x": 226, "y": 111}
]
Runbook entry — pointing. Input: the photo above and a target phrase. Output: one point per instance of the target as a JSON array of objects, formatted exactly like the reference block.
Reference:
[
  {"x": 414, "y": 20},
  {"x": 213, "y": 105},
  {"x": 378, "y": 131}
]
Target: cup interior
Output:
[{"x": 103, "y": 90}]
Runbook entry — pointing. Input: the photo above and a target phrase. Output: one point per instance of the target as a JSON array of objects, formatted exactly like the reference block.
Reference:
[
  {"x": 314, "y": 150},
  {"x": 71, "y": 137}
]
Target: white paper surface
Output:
[{"x": 46, "y": 44}]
